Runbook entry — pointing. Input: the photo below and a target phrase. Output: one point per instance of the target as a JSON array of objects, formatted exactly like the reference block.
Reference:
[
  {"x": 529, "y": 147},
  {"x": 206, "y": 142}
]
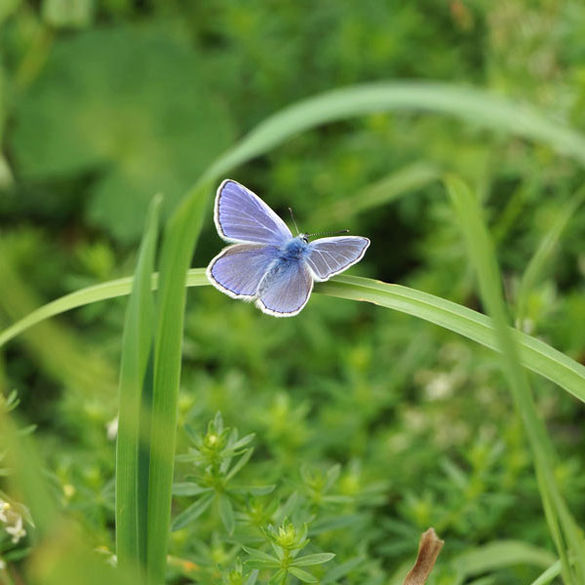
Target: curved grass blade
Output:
[
  {"x": 496, "y": 555},
  {"x": 544, "y": 252},
  {"x": 392, "y": 186},
  {"x": 473, "y": 105},
  {"x": 536, "y": 355},
  {"x": 562, "y": 525},
  {"x": 134, "y": 413},
  {"x": 549, "y": 575}
]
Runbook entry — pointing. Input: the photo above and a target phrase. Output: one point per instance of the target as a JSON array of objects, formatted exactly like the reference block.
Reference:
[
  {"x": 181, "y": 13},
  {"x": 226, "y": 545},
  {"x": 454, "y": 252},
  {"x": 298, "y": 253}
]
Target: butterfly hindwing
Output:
[
  {"x": 237, "y": 270},
  {"x": 241, "y": 216},
  {"x": 330, "y": 256},
  {"x": 286, "y": 289}
]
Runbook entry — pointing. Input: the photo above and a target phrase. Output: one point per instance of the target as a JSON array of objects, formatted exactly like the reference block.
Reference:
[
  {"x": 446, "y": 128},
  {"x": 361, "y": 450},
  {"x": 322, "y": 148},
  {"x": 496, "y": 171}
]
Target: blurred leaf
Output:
[
  {"x": 314, "y": 559},
  {"x": 545, "y": 251},
  {"x": 549, "y": 575},
  {"x": 226, "y": 512},
  {"x": 304, "y": 576},
  {"x": 7, "y": 7},
  {"x": 130, "y": 102},
  {"x": 501, "y": 554},
  {"x": 188, "y": 488},
  {"x": 68, "y": 13},
  {"x": 392, "y": 186},
  {"x": 193, "y": 512}
]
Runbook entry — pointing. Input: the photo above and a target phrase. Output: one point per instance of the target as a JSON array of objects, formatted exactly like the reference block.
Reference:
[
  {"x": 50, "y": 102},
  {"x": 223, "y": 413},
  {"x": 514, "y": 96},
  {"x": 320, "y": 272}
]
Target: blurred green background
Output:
[{"x": 104, "y": 104}]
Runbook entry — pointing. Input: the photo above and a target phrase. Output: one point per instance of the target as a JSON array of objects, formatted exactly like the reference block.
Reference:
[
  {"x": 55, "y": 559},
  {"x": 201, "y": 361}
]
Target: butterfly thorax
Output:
[{"x": 295, "y": 249}]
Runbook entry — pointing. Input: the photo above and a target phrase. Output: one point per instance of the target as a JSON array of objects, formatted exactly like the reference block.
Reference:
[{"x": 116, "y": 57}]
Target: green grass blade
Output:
[
  {"x": 544, "y": 252},
  {"x": 549, "y": 575},
  {"x": 534, "y": 353},
  {"x": 394, "y": 185},
  {"x": 79, "y": 298},
  {"x": 499, "y": 554},
  {"x": 180, "y": 236},
  {"x": 131, "y": 474},
  {"x": 58, "y": 350},
  {"x": 473, "y": 105},
  {"x": 482, "y": 256}
]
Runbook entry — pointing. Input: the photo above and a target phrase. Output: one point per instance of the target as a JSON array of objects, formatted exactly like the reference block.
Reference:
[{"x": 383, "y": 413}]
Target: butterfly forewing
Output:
[
  {"x": 285, "y": 290},
  {"x": 330, "y": 256},
  {"x": 238, "y": 269},
  {"x": 241, "y": 216}
]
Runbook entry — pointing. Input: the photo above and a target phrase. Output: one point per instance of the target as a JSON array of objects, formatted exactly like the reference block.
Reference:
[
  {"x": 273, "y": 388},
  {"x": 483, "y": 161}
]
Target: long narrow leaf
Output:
[
  {"x": 394, "y": 185},
  {"x": 544, "y": 252},
  {"x": 131, "y": 483},
  {"x": 481, "y": 253},
  {"x": 180, "y": 235},
  {"x": 476, "y": 106},
  {"x": 534, "y": 353}
]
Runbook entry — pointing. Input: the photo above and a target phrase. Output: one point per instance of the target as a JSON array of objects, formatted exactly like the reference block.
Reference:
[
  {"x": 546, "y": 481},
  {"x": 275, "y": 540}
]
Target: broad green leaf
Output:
[{"x": 130, "y": 103}]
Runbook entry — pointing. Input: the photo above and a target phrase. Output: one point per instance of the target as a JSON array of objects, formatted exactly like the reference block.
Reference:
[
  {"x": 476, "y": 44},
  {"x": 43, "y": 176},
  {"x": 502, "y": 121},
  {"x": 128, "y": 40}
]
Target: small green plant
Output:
[
  {"x": 218, "y": 456},
  {"x": 287, "y": 542}
]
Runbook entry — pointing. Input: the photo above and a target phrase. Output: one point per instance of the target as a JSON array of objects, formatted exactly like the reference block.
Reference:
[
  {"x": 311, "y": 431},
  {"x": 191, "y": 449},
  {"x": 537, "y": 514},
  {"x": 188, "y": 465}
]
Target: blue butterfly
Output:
[{"x": 267, "y": 264}]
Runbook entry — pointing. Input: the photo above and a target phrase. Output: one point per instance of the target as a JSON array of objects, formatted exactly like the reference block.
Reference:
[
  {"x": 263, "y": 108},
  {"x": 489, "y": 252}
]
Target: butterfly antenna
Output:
[
  {"x": 328, "y": 233},
  {"x": 293, "y": 220}
]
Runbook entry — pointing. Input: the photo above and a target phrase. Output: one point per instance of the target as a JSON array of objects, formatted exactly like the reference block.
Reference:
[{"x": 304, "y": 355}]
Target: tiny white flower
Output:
[
  {"x": 17, "y": 530},
  {"x": 439, "y": 386}
]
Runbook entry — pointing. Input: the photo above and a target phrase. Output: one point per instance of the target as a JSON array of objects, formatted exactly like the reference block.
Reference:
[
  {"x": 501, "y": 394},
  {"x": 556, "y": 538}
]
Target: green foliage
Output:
[
  {"x": 130, "y": 103},
  {"x": 360, "y": 426}
]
